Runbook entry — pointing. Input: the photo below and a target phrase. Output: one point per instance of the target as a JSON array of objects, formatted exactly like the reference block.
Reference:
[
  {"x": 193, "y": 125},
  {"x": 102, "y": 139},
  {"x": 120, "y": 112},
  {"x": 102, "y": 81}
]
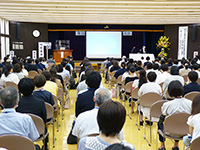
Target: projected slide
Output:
[{"x": 102, "y": 44}]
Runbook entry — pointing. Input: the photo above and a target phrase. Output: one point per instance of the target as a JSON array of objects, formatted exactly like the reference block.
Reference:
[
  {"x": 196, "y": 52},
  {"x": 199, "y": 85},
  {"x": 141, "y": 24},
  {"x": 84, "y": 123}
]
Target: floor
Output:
[{"x": 132, "y": 134}]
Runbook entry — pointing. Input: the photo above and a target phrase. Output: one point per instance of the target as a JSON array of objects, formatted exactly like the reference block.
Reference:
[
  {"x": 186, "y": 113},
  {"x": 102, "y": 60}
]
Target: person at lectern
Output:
[{"x": 61, "y": 45}]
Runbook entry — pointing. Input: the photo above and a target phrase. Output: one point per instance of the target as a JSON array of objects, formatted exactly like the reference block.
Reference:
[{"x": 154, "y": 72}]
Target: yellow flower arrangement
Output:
[{"x": 162, "y": 45}]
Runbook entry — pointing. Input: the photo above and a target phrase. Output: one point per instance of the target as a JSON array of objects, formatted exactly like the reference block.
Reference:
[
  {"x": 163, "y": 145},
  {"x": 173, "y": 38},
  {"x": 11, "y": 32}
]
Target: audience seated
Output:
[
  {"x": 111, "y": 118},
  {"x": 29, "y": 103},
  {"x": 193, "y": 85},
  {"x": 54, "y": 77},
  {"x": 8, "y": 74},
  {"x": 147, "y": 61},
  {"x": 86, "y": 123},
  {"x": 132, "y": 76},
  {"x": 175, "y": 76},
  {"x": 126, "y": 74},
  {"x": 193, "y": 122},
  {"x": 31, "y": 66},
  {"x": 66, "y": 72},
  {"x": 12, "y": 122},
  {"x": 50, "y": 85},
  {"x": 39, "y": 92},
  {"x": 185, "y": 70},
  {"x": 139, "y": 65},
  {"x": 164, "y": 74},
  {"x": 18, "y": 71},
  {"x": 38, "y": 64},
  {"x": 84, "y": 100},
  {"x": 121, "y": 70},
  {"x": 178, "y": 105},
  {"x": 115, "y": 66},
  {"x": 25, "y": 72},
  {"x": 195, "y": 68},
  {"x": 155, "y": 69}
]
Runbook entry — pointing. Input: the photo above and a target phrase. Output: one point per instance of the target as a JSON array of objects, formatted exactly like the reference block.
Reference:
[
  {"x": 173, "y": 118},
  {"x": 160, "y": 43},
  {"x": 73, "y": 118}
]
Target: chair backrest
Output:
[
  {"x": 32, "y": 74},
  {"x": 198, "y": 80},
  {"x": 50, "y": 110},
  {"x": 119, "y": 79},
  {"x": 148, "y": 99},
  {"x": 135, "y": 93},
  {"x": 195, "y": 144},
  {"x": 16, "y": 142},
  {"x": 176, "y": 124},
  {"x": 113, "y": 73},
  {"x": 60, "y": 93},
  {"x": 55, "y": 101},
  {"x": 161, "y": 85},
  {"x": 185, "y": 77},
  {"x": 128, "y": 87},
  {"x": 40, "y": 71},
  {"x": 39, "y": 123},
  {"x": 11, "y": 84},
  {"x": 191, "y": 95},
  {"x": 155, "y": 110}
]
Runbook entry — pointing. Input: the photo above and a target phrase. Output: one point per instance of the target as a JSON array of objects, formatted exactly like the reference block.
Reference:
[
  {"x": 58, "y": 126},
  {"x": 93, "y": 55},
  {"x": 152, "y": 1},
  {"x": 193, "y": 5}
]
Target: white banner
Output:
[
  {"x": 41, "y": 48},
  {"x": 182, "y": 42},
  {"x": 34, "y": 54}
]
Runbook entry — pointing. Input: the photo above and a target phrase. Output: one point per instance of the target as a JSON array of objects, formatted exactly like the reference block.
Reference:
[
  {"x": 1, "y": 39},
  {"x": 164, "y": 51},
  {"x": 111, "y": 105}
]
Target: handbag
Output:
[{"x": 71, "y": 139}]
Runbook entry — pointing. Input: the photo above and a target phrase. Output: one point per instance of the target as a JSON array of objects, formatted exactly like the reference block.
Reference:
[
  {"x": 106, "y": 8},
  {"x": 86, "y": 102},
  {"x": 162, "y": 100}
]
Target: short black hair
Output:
[
  {"x": 162, "y": 61},
  {"x": 147, "y": 58},
  {"x": 151, "y": 76},
  {"x": 30, "y": 60},
  {"x": 39, "y": 80},
  {"x": 149, "y": 66},
  {"x": 63, "y": 64},
  {"x": 118, "y": 146},
  {"x": 47, "y": 75},
  {"x": 37, "y": 61},
  {"x": 176, "y": 61},
  {"x": 59, "y": 68},
  {"x": 111, "y": 117},
  {"x": 26, "y": 86},
  {"x": 155, "y": 66},
  {"x": 93, "y": 79},
  {"x": 175, "y": 89},
  {"x": 132, "y": 69},
  {"x": 195, "y": 66},
  {"x": 164, "y": 67},
  {"x": 193, "y": 76},
  {"x": 174, "y": 70}
]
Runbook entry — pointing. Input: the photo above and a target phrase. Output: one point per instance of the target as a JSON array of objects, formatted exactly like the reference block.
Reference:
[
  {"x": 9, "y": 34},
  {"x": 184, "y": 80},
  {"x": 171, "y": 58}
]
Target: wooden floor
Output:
[{"x": 132, "y": 134}]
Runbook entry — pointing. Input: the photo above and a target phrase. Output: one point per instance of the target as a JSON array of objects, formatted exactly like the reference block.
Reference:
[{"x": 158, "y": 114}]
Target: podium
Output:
[{"x": 58, "y": 55}]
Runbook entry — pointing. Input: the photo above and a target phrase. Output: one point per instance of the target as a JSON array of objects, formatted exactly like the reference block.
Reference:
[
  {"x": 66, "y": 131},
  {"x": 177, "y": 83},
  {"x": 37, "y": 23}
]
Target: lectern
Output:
[{"x": 58, "y": 55}]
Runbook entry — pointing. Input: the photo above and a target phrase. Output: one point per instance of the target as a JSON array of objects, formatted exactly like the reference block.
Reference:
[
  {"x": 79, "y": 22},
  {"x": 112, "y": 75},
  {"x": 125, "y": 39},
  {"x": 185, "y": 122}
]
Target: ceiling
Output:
[{"x": 102, "y": 11}]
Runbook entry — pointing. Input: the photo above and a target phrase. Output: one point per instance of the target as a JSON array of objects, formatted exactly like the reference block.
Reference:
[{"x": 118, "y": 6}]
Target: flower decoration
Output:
[{"x": 163, "y": 45}]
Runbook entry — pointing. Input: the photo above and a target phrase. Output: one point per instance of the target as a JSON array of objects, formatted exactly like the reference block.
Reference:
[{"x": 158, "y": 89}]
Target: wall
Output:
[
  {"x": 172, "y": 32},
  {"x": 26, "y": 36}
]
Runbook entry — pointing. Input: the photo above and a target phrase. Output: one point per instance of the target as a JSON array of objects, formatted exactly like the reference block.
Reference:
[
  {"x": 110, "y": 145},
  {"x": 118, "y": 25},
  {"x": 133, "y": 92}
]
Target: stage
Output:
[{"x": 137, "y": 56}]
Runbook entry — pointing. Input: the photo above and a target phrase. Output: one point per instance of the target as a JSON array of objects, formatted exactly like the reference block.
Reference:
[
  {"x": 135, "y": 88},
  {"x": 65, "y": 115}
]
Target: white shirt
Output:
[
  {"x": 149, "y": 87},
  {"x": 66, "y": 72},
  {"x": 169, "y": 80},
  {"x": 177, "y": 105},
  {"x": 135, "y": 83},
  {"x": 162, "y": 77},
  {"x": 198, "y": 73},
  {"x": 12, "y": 122},
  {"x": 11, "y": 78},
  {"x": 184, "y": 71},
  {"x": 86, "y": 124},
  {"x": 25, "y": 72},
  {"x": 19, "y": 74},
  {"x": 194, "y": 121}
]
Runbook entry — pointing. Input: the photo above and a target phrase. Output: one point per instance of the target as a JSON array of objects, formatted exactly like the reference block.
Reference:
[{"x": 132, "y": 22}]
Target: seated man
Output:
[
  {"x": 12, "y": 122},
  {"x": 31, "y": 66},
  {"x": 86, "y": 123},
  {"x": 193, "y": 86},
  {"x": 29, "y": 103},
  {"x": 84, "y": 100}
]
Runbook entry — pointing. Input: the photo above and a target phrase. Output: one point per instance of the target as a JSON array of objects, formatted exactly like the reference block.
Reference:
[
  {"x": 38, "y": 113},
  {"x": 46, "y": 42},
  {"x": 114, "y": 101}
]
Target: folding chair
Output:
[
  {"x": 56, "y": 109},
  {"x": 119, "y": 85},
  {"x": 155, "y": 112},
  {"x": 16, "y": 142},
  {"x": 134, "y": 94},
  {"x": 146, "y": 101},
  {"x": 50, "y": 119},
  {"x": 32, "y": 74},
  {"x": 40, "y": 125},
  {"x": 195, "y": 144},
  {"x": 39, "y": 71},
  {"x": 175, "y": 126},
  {"x": 11, "y": 84},
  {"x": 185, "y": 77},
  {"x": 198, "y": 80},
  {"x": 191, "y": 95},
  {"x": 112, "y": 79},
  {"x": 60, "y": 97}
]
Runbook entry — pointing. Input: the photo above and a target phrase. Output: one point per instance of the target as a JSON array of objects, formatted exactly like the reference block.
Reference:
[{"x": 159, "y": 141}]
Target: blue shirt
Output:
[{"x": 12, "y": 122}]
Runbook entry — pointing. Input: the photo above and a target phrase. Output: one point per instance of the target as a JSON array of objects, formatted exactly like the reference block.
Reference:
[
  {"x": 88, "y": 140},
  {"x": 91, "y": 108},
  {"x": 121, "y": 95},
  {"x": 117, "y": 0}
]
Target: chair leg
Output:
[
  {"x": 145, "y": 134},
  {"x": 138, "y": 119},
  {"x": 54, "y": 138},
  {"x": 58, "y": 125}
]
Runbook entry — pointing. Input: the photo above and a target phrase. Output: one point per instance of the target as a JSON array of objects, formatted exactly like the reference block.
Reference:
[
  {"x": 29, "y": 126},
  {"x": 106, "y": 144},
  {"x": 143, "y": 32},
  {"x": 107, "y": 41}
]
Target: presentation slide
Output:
[{"x": 102, "y": 44}]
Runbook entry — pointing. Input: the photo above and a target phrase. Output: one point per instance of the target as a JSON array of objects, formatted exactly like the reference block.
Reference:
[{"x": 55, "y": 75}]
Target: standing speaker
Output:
[
  {"x": 18, "y": 31},
  {"x": 194, "y": 32}
]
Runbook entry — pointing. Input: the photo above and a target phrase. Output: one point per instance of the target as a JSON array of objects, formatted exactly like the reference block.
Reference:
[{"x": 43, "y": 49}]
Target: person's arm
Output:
[
  {"x": 32, "y": 130},
  {"x": 190, "y": 130}
]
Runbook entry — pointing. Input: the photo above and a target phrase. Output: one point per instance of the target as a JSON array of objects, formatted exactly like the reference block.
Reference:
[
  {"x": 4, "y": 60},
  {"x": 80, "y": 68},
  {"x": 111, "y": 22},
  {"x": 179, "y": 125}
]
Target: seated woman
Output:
[
  {"x": 177, "y": 105},
  {"x": 8, "y": 74},
  {"x": 111, "y": 118},
  {"x": 193, "y": 122},
  {"x": 18, "y": 71},
  {"x": 39, "y": 92}
]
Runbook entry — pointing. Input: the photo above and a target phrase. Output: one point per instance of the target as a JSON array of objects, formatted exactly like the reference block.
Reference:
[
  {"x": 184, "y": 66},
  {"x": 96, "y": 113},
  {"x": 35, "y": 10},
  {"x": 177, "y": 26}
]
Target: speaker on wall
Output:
[
  {"x": 194, "y": 32},
  {"x": 18, "y": 31}
]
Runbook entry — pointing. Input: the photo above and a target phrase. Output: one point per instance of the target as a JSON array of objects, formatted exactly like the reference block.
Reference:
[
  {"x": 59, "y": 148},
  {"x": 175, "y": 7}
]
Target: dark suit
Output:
[
  {"x": 85, "y": 101},
  {"x": 31, "y": 67},
  {"x": 119, "y": 72},
  {"x": 191, "y": 87},
  {"x": 33, "y": 105},
  {"x": 44, "y": 95}
]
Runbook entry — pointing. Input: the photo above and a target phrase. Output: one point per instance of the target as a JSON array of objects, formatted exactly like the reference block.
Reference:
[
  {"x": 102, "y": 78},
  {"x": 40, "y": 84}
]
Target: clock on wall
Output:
[{"x": 36, "y": 33}]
